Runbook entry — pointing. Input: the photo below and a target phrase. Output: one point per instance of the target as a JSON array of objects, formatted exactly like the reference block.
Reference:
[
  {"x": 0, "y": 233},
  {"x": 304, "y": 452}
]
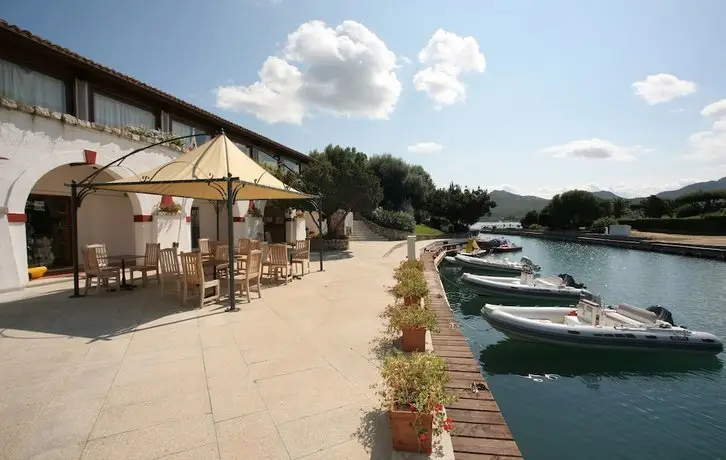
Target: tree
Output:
[
  {"x": 529, "y": 219},
  {"x": 654, "y": 207},
  {"x": 342, "y": 177},
  {"x": 619, "y": 207},
  {"x": 707, "y": 201},
  {"x": 406, "y": 187},
  {"x": 460, "y": 207},
  {"x": 571, "y": 210}
]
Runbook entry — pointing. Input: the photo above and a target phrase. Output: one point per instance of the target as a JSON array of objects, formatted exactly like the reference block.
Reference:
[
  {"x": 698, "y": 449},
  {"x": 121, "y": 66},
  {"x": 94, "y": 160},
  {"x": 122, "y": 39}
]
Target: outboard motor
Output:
[
  {"x": 662, "y": 313},
  {"x": 568, "y": 280}
]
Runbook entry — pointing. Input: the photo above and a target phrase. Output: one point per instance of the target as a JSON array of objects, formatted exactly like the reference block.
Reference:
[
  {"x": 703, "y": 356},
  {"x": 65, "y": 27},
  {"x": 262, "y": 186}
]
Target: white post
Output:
[{"x": 411, "y": 247}]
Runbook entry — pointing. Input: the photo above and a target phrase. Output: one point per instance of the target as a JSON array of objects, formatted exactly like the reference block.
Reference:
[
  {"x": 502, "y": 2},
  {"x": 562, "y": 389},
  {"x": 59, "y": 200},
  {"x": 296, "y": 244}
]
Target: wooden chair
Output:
[
  {"x": 151, "y": 263},
  {"x": 193, "y": 278},
  {"x": 301, "y": 256},
  {"x": 221, "y": 258},
  {"x": 204, "y": 248},
  {"x": 241, "y": 251},
  {"x": 169, "y": 269},
  {"x": 255, "y": 244},
  {"x": 95, "y": 264},
  {"x": 278, "y": 262},
  {"x": 251, "y": 276}
]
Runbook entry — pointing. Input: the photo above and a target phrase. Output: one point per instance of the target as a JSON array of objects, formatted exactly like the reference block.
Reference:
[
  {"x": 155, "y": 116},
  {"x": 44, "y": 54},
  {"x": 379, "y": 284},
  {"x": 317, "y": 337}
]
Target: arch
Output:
[{"x": 21, "y": 187}]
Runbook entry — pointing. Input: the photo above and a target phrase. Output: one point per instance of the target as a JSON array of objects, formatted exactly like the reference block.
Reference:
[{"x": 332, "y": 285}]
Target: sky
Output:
[{"x": 530, "y": 97}]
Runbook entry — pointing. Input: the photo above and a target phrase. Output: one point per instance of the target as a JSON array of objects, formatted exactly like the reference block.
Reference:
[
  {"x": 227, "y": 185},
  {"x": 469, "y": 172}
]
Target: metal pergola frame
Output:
[{"x": 80, "y": 190}]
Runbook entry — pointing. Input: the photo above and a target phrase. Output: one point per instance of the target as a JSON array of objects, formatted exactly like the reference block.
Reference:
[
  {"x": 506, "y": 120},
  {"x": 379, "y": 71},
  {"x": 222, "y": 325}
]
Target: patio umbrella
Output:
[{"x": 215, "y": 170}]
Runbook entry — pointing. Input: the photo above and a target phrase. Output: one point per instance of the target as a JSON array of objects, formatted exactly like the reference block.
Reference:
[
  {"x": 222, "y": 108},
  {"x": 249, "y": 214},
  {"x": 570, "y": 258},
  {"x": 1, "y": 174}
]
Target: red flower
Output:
[
  {"x": 449, "y": 420},
  {"x": 448, "y": 423},
  {"x": 422, "y": 437},
  {"x": 438, "y": 407},
  {"x": 412, "y": 407}
]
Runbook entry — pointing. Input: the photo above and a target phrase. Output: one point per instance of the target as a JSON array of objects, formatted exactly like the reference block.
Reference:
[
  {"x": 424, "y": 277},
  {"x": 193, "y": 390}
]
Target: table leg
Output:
[{"x": 124, "y": 284}]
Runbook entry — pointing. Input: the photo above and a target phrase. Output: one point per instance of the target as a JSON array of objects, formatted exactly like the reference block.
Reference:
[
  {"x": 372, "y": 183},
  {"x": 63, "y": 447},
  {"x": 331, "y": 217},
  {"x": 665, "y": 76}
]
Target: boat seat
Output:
[
  {"x": 639, "y": 314},
  {"x": 622, "y": 319}
]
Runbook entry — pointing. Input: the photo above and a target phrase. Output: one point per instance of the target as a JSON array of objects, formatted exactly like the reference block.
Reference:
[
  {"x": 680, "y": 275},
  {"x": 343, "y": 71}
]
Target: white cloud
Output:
[
  {"x": 346, "y": 71},
  {"x": 711, "y": 144},
  {"x": 663, "y": 87},
  {"x": 405, "y": 59},
  {"x": 425, "y": 147},
  {"x": 595, "y": 149},
  {"x": 504, "y": 187},
  {"x": 446, "y": 57},
  {"x": 714, "y": 109}
]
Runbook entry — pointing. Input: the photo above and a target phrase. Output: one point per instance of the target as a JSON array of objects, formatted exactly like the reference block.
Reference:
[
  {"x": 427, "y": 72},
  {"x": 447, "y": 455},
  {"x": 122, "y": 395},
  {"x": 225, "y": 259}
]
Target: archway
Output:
[
  {"x": 104, "y": 217},
  {"x": 208, "y": 220}
]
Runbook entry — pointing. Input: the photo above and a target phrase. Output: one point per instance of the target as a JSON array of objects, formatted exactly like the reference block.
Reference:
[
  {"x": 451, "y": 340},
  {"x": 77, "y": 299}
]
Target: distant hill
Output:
[{"x": 511, "y": 206}]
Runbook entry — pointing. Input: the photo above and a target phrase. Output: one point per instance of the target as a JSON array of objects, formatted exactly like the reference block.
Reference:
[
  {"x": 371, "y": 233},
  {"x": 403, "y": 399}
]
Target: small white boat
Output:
[
  {"x": 472, "y": 249},
  {"x": 491, "y": 264},
  {"x": 554, "y": 288},
  {"x": 594, "y": 326}
]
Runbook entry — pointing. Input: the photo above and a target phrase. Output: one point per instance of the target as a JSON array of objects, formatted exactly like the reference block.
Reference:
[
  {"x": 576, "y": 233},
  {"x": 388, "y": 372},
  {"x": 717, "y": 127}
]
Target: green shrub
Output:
[
  {"x": 537, "y": 227},
  {"x": 705, "y": 225},
  {"x": 602, "y": 223},
  {"x": 688, "y": 210},
  {"x": 397, "y": 220}
]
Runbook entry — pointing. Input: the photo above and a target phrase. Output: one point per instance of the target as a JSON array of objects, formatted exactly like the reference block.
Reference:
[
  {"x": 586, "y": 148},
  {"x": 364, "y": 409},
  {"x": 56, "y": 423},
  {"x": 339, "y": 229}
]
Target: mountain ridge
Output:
[{"x": 513, "y": 206}]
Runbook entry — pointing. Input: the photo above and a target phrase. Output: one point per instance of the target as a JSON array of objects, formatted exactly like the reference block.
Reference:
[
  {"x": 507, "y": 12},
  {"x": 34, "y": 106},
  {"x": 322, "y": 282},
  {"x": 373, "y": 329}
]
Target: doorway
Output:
[
  {"x": 47, "y": 231},
  {"x": 195, "y": 227}
]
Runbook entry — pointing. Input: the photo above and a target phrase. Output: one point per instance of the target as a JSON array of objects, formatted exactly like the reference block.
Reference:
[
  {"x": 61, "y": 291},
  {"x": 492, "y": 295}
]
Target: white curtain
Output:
[
  {"x": 181, "y": 129},
  {"x": 32, "y": 88},
  {"x": 111, "y": 112}
]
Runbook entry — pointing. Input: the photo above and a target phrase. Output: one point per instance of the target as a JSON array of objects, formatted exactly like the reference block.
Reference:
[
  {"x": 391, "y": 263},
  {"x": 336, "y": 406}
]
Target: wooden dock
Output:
[{"x": 479, "y": 432}]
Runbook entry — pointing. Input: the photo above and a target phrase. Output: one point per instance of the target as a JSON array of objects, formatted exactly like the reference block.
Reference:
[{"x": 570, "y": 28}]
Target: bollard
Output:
[{"x": 412, "y": 247}]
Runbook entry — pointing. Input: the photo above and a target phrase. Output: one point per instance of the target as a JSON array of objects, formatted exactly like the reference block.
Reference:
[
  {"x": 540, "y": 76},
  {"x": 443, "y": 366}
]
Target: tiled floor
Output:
[{"x": 129, "y": 375}]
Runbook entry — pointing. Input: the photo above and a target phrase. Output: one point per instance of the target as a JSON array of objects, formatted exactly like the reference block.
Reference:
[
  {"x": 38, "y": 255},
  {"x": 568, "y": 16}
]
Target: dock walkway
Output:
[{"x": 480, "y": 431}]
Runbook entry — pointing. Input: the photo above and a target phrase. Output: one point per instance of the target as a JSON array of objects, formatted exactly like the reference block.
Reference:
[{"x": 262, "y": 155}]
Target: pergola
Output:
[{"x": 216, "y": 170}]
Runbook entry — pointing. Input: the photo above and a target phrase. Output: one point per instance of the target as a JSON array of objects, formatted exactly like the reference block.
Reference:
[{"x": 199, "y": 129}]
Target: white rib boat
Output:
[
  {"x": 491, "y": 264},
  {"x": 592, "y": 326},
  {"x": 552, "y": 288}
]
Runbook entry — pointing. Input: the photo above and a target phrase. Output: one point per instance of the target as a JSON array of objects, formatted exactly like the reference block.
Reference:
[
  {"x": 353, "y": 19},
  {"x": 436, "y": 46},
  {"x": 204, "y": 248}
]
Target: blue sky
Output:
[{"x": 539, "y": 99}]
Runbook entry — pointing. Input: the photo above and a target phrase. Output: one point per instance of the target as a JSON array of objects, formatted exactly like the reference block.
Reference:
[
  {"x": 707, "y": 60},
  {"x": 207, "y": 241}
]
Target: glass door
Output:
[{"x": 47, "y": 231}]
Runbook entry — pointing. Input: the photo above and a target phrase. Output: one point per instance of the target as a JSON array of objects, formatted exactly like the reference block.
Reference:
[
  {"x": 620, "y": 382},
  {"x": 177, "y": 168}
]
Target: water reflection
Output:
[{"x": 524, "y": 358}]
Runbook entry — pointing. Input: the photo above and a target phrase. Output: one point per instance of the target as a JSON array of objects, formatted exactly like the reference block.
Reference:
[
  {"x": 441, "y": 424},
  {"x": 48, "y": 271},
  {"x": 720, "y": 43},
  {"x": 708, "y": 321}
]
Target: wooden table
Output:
[{"x": 123, "y": 258}]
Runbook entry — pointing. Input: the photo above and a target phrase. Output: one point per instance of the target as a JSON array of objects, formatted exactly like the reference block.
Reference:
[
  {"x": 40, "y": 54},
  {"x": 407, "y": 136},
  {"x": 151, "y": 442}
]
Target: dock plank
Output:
[{"x": 479, "y": 431}]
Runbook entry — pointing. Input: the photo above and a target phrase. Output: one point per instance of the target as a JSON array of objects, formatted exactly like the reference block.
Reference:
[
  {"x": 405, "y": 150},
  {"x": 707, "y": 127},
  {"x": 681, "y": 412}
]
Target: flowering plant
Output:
[
  {"x": 408, "y": 268},
  {"x": 417, "y": 383},
  {"x": 402, "y": 317},
  {"x": 169, "y": 209},
  {"x": 410, "y": 283}
]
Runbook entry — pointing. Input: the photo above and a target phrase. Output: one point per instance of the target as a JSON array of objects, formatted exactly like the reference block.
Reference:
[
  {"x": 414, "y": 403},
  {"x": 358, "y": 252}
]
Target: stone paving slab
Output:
[{"x": 132, "y": 375}]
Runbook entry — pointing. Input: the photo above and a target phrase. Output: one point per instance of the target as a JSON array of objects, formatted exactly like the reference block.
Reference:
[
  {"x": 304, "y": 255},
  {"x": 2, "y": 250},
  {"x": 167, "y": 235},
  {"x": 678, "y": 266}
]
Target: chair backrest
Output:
[
  {"x": 90, "y": 260},
  {"x": 213, "y": 246},
  {"x": 99, "y": 251},
  {"x": 278, "y": 254},
  {"x": 204, "y": 246},
  {"x": 254, "y": 263},
  {"x": 255, "y": 244},
  {"x": 265, "y": 251},
  {"x": 243, "y": 246},
  {"x": 192, "y": 270},
  {"x": 221, "y": 252},
  {"x": 151, "y": 256},
  {"x": 168, "y": 261}
]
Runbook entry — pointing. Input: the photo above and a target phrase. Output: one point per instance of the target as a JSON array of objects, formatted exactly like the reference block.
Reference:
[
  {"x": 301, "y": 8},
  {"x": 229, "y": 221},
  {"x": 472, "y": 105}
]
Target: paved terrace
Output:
[{"x": 127, "y": 375}]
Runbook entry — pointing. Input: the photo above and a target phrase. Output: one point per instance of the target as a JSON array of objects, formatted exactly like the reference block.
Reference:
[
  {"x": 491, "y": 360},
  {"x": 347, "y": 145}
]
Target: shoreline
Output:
[{"x": 640, "y": 241}]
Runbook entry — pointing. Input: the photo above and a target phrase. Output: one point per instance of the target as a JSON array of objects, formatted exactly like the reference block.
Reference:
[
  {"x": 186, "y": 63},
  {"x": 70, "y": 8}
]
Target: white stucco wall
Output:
[{"x": 32, "y": 146}]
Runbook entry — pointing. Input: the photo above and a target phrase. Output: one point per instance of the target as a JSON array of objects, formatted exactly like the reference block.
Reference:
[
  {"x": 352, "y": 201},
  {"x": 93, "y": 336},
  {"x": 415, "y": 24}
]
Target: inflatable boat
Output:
[
  {"x": 472, "y": 249},
  {"x": 491, "y": 264},
  {"x": 553, "y": 288},
  {"x": 591, "y": 325}
]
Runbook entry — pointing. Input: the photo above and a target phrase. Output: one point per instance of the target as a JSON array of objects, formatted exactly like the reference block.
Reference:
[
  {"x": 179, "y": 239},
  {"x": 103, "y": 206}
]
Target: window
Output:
[
  {"x": 110, "y": 112},
  {"x": 242, "y": 147},
  {"x": 264, "y": 158},
  {"x": 182, "y": 129},
  {"x": 291, "y": 165},
  {"x": 32, "y": 88}
]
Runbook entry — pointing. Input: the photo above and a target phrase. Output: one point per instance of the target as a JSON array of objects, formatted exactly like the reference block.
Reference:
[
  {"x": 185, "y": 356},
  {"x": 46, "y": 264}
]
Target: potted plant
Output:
[
  {"x": 168, "y": 207},
  {"x": 411, "y": 286},
  {"x": 414, "y": 393},
  {"x": 406, "y": 266},
  {"x": 413, "y": 324}
]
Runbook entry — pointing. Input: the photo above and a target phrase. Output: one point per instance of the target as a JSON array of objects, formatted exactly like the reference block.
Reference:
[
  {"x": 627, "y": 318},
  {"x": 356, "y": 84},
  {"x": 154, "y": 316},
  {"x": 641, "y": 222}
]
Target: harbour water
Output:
[{"x": 592, "y": 405}]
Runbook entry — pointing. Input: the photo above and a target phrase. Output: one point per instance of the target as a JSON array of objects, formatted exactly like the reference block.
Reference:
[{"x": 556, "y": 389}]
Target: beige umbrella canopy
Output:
[{"x": 203, "y": 172}]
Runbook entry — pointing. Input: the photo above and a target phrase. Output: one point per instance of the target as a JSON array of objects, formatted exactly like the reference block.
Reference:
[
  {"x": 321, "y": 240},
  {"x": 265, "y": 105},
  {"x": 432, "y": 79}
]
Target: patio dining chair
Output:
[
  {"x": 250, "y": 276},
  {"x": 221, "y": 258},
  {"x": 169, "y": 270},
  {"x": 278, "y": 262},
  {"x": 193, "y": 279},
  {"x": 241, "y": 251},
  {"x": 204, "y": 248},
  {"x": 95, "y": 264},
  {"x": 301, "y": 256},
  {"x": 150, "y": 264}
]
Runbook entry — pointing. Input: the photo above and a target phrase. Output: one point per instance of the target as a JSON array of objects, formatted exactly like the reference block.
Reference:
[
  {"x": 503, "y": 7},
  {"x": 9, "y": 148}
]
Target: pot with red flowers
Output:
[{"x": 413, "y": 391}]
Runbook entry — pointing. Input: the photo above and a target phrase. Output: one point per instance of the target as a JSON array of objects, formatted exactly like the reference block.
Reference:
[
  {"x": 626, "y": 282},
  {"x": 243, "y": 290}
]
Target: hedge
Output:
[
  {"x": 707, "y": 225},
  {"x": 397, "y": 220}
]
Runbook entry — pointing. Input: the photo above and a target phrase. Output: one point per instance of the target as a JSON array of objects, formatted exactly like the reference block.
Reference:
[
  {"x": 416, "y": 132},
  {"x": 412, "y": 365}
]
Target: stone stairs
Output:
[{"x": 362, "y": 232}]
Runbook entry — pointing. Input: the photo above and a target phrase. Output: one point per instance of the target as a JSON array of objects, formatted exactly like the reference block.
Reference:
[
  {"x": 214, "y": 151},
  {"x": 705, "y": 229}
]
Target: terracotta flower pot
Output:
[
  {"x": 407, "y": 429},
  {"x": 411, "y": 301},
  {"x": 414, "y": 339}
]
